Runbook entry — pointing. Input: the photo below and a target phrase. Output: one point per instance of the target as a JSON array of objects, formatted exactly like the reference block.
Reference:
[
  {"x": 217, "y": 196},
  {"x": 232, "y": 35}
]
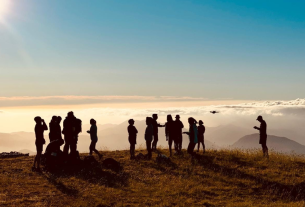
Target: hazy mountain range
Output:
[
  {"x": 279, "y": 144},
  {"x": 115, "y": 137}
]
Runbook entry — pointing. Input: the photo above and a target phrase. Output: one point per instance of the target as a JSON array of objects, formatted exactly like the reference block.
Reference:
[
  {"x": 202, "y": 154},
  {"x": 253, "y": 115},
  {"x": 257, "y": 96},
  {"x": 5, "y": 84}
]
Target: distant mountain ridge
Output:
[{"x": 278, "y": 144}]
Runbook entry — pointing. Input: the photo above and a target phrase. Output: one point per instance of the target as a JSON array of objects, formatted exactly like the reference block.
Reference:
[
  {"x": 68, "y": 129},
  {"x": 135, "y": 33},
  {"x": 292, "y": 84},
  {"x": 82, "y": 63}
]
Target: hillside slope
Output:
[
  {"x": 279, "y": 144},
  {"x": 218, "y": 178}
]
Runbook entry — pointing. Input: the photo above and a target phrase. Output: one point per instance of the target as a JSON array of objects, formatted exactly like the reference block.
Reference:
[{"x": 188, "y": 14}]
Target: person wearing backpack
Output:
[{"x": 72, "y": 127}]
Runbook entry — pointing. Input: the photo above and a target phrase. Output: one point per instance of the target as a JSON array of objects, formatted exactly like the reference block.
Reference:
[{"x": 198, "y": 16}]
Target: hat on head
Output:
[
  {"x": 177, "y": 116},
  {"x": 259, "y": 117}
]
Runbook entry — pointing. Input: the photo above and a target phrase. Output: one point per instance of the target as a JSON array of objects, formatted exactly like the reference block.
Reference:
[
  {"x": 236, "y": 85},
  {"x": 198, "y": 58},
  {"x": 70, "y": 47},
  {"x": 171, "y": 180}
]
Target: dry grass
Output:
[{"x": 217, "y": 178}]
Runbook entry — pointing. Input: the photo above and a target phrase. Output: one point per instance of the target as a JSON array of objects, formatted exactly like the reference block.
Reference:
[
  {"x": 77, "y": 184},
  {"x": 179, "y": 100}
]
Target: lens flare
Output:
[{"x": 4, "y": 8}]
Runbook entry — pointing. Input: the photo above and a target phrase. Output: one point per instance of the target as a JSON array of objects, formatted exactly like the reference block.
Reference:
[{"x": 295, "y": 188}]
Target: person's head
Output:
[
  {"x": 59, "y": 119},
  {"x": 155, "y": 116},
  {"x": 54, "y": 118},
  {"x": 37, "y": 119},
  {"x": 92, "y": 122},
  {"x": 259, "y": 118},
  {"x": 177, "y": 117},
  {"x": 169, "y": 118},
  {"x": 131, "y": 122},
  {"x": 200, "y": 122},
  {"x": 191, "y": 121},
  {"x": 71, "y": 114},
  {"x": 148, "y": 120}
]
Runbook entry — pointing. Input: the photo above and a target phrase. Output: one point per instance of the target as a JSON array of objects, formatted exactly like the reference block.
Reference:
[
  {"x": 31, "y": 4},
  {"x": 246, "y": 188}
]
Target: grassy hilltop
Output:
[{"x": 217, "y": 178}]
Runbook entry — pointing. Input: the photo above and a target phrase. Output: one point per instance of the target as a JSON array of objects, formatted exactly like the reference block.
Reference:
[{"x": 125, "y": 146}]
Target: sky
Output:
[{"x": 153, "y": 54}]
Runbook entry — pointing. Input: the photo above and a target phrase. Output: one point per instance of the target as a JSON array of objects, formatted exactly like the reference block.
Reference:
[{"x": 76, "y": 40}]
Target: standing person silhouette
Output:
[
  {"x": 193, "y": 133},
  {"x": 169, "y": 132},
  {"x": 178, "y": 134},
  {"x": 263, "y": 135},
  {"x": 149, "y": 132},
  {"x": 155, "y": 128},
  {"x": 94, "y": 139},
  {"x": 132, "y": 138},
  {"x": 72, "y": 127},
  {"x": 52, "y": 127},
  {"x": 58, "y": 128},
  {"x": 201, "y": 130},
  {"x": 40, "y": 127}
]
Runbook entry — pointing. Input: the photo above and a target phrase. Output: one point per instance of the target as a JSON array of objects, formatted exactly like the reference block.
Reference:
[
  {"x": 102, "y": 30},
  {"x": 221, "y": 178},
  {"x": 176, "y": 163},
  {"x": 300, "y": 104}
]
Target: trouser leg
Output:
[
  {"x": 155, "y": 142},
  {"x": 132, "y": 150},
  {"x": 148, "y": 146}
]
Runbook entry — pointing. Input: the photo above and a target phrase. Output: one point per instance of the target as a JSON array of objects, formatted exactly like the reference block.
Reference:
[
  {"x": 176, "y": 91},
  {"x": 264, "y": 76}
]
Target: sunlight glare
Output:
[{"x": 4, "y": 7}]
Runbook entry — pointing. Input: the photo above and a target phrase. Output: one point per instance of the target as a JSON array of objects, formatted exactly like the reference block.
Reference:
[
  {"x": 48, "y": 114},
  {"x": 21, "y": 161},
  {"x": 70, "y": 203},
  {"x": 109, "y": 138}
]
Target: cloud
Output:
[
  {"x": 76, "y": 100},
  {"x": 270, "y": 108}
]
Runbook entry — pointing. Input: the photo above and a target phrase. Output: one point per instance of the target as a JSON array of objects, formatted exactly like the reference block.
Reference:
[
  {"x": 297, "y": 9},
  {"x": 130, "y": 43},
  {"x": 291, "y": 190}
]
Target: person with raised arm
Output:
[
  {"x": 40, "y": 127},
  {"x": 94, "y": 139},
  {"x": 263, "y": 135}
]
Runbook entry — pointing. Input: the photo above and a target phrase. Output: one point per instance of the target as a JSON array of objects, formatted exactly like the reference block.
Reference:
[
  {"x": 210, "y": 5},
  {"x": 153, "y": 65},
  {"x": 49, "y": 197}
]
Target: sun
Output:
[{"x": 4, "y": 7}]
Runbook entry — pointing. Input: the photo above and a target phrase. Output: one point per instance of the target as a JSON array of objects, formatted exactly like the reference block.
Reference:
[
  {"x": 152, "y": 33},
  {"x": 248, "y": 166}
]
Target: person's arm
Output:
[
  {"x": 203, "y": 129},
  {"x": 257, "y": 128},
  {"x": 44, "y": 126},
  {"x": 136, "y": 130},
  {"x": 159, "y": 125},
  {"x": 166, "y": 130}
]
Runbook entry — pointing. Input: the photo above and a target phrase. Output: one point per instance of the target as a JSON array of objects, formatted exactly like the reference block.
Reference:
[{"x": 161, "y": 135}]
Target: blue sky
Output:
[{"x": 236, "y": 49}]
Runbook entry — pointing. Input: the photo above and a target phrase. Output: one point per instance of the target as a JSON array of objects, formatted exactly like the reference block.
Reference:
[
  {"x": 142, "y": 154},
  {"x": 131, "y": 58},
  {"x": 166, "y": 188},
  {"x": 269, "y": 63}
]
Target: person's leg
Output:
[
  {"x": 91, "y": 148},
  {"x": 155, "y": 142},
  {"x": 170, "y": 142},
  {"x": 96, "y": 151},
  {"x": 198, "y": 146},
  {"x": 132, "y": 147},
  {"x": 66, "y": 147},
  {"x": 148, "y": 146},
  {"x": 203, "y": 146},
  {"x": 180, "y": 143}
]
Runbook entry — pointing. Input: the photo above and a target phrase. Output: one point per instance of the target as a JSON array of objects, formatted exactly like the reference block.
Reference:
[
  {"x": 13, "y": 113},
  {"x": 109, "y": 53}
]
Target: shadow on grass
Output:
[
  {"x": 93, "y": 173},
  {"x": 282, "y": 191},
  {"x": 61, "y": 187}
]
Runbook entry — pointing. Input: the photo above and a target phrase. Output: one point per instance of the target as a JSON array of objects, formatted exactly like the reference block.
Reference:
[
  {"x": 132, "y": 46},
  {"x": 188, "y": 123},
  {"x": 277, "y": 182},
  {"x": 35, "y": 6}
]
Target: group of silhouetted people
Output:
[
  {"x": 173, "y": 133},
  {"x": 72, "y": 126}
]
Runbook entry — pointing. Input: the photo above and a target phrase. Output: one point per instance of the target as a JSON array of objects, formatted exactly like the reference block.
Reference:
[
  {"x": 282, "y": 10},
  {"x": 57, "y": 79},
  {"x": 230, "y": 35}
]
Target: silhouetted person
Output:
[
  {"x": 40, "y": 127},
  {"x": 170, "y": 132},
  {"x": 201, "y": 130},
  {"x": 155, "y": 127},
  {"x": 149, "y": 133},
  {"x": 94, "y": 139},
  {"x": 58, "y": 128},
  {"x": 72, "y": 127},
  {"x": 263, "y": 135},
  {"x": 193, "y": 133},
  {"x": 52, "y": 127},
  {"x": 132, "y": 138},
  {"x": 178, "y": 126}
]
